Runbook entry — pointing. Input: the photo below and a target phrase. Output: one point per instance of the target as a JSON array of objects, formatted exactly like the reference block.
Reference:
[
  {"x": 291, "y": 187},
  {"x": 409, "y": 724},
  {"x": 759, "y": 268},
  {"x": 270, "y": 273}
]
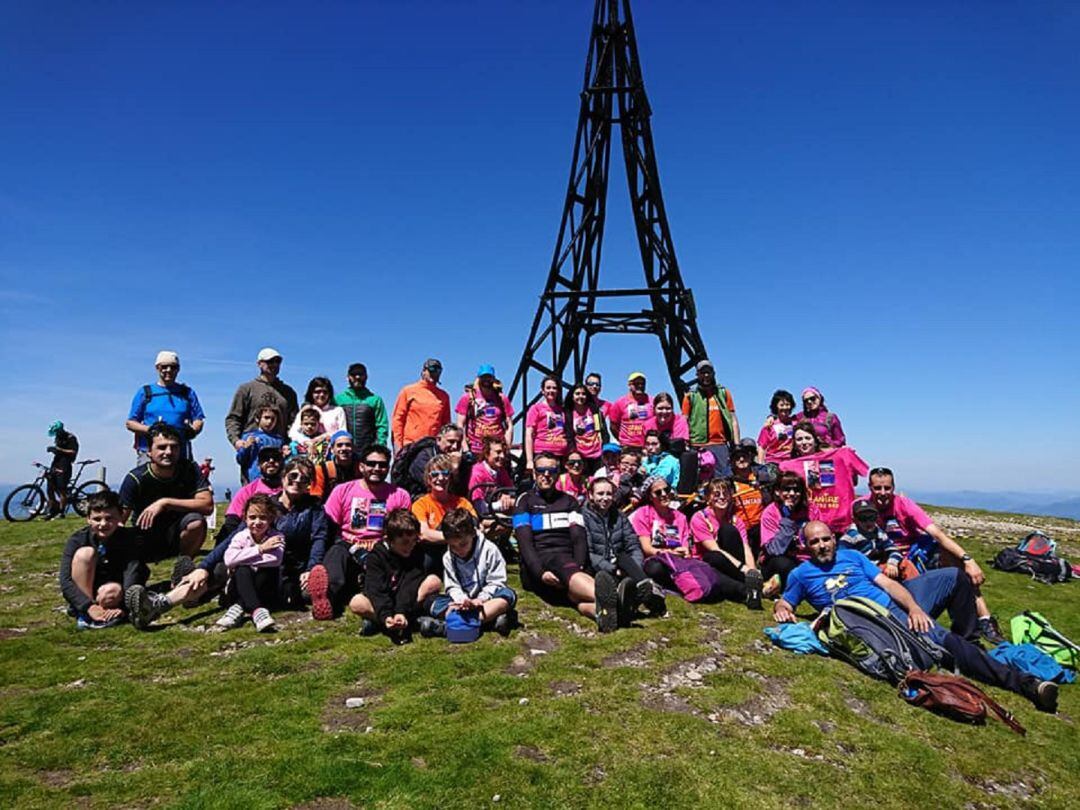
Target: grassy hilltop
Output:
[{"x": 696, "y": 710}]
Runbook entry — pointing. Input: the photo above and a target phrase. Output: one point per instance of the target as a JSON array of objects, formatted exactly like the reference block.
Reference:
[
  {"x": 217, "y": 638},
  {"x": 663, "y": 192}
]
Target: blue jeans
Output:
[
  {"x": 443, "y": 601},
  {"x": 938, "y": 590}
]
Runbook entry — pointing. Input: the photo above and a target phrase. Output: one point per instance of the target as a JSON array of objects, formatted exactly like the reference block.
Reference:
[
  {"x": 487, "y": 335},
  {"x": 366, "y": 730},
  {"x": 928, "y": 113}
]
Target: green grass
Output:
[{"x": 694, "y": 710}]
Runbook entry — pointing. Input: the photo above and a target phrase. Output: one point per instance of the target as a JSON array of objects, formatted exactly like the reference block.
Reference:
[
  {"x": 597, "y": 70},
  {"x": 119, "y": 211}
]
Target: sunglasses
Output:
[
  {"x": 575, "y": 462},
  {"x": 297, "y": 478},
  {"x": 882, "y": 471},
  {"x": 379, "y": 464},
  {"x": 662, "y": 492},
  {"x": 547, "y": 470},
  {"x": 439, "y": 474},
  {"x": 592, "y": 385},
  {"x": 168, "y": 367},
  {"x": 790, "y": 489}
]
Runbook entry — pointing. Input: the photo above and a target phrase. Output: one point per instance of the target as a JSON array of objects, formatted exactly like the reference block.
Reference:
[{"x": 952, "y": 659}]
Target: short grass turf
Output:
[{"x": 693, "y": 710}]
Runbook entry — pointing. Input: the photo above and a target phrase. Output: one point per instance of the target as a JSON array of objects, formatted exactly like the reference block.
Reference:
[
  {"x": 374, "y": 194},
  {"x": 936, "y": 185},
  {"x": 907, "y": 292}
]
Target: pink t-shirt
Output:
[
  {"x": 549, "y": 426},
  {"x": 829, "y": 485},
  {"x": 677, "y": 428},
  {"x": 777, "y": 440},
  {"x": 705, "y": 526},
  {"x": 483, "y": 480},
  {"x": 628, "y": 417},
  {"x": 566, "y": 484},
  {"x": 666, "y": 533},
  {"x": 483, "y": 417},
  {"x": 243, "y": 495},
  {"x": 904, "y": 522},
  {"x": 588, "y": 438},
  {"x": 360, "y": 512},
  {"x": 770, "y": 525}
]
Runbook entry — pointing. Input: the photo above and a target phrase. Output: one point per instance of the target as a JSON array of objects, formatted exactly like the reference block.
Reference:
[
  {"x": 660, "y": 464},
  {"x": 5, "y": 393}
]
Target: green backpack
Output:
[{"x": 1033, "y": 628}]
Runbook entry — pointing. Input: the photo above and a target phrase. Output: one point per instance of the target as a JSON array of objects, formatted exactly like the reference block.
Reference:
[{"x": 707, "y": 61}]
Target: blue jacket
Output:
[{"x": 248, "y": 457}]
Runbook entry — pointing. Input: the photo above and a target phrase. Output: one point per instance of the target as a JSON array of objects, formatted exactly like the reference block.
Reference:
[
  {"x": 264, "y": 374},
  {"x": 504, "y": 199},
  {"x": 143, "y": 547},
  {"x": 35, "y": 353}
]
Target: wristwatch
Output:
[{"x": 966, "y": 558}]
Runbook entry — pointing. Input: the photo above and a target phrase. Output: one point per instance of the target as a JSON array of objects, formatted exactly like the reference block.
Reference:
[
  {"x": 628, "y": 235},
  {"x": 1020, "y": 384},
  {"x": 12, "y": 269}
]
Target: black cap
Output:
[
  {"x": 270, "y": 452},
  {"x": 863, "y": 506},
  {"x": 746, "y": 445}
]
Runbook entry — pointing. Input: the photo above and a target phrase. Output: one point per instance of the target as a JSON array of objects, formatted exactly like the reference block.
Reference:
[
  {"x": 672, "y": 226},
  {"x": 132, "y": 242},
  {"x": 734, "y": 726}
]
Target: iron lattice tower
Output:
[{"x": 567, "y": 317}]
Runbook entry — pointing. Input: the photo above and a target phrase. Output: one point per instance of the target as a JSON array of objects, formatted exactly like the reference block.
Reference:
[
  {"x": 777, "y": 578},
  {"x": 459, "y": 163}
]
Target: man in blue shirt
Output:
[
  {"x": 832, "y": 574},
  {"x": 166, "y": 401}
]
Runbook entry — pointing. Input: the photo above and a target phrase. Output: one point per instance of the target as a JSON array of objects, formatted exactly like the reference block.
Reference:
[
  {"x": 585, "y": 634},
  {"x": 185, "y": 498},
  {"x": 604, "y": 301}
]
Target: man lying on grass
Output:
[
  {"x": 100, "y": 562},
  {"x": 832, "y": 574}
]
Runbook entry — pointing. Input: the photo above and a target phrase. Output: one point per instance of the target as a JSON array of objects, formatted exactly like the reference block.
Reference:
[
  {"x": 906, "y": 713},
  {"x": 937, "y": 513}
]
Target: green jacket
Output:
[
  {"x": 699, "y": 415},
  {"x": 355, "y": 404}
]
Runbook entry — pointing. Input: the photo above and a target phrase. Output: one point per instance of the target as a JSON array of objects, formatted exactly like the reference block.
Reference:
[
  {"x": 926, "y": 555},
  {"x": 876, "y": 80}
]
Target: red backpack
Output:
[{"x": 954, "y": 697}]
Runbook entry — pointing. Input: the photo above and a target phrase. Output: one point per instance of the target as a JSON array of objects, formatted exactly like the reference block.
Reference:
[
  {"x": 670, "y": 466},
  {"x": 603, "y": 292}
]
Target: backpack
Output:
[
  {"x": 696, "y": 580},
  {"x": 954, "y": 697},
  {"x": 1033, "y": 628},
  {"x": 1037, "y": 544},
  {"x": 863, "y": 633},
  {"x": 399, "y": 471},
  {"x": 1040, "y": 567},
  {"x": 1033, "y": 661},
  {"x": 149, "y": 394}
]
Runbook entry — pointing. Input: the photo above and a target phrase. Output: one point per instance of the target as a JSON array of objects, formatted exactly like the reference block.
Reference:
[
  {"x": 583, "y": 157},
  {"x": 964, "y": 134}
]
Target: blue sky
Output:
[{"x": 880, "y": 200}]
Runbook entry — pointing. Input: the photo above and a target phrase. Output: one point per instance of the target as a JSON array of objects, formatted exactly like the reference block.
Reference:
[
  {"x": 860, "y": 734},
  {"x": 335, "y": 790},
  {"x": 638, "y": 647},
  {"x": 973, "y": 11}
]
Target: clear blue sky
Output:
[{"x": 879, "y": 199}]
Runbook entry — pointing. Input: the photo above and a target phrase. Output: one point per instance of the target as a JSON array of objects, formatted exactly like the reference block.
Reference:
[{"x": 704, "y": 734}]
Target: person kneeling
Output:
[
  {"x": 396, "y": 590},
  {"x": 254, "y": 561},
  {"x": 475, "y": 577}
]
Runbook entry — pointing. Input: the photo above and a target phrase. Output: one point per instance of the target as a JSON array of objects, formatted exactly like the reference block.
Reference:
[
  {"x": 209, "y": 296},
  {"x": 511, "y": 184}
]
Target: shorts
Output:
[
  {"x": 559, "y": 562},
  {"x": 59, "y": 476},
  {"x": 443, "y": 601},
  {"x": 163, "y": 541}
]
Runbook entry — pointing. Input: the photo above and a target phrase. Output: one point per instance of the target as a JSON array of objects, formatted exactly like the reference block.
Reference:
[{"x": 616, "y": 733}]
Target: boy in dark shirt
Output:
[
  {"x": 100, "y": 562},
  {"x": 397, "y": 594}
]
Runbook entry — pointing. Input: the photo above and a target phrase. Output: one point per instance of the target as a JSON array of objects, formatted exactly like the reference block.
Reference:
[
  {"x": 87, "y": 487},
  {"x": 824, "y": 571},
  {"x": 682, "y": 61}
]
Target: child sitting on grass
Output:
[
  {"x": 255, "y": 440},
  {"x": 397, "y": 594},
  {"x": 475, "y": 577},
  {"x": 254, "y": 561},
  {"x": 100, "y": 562}
]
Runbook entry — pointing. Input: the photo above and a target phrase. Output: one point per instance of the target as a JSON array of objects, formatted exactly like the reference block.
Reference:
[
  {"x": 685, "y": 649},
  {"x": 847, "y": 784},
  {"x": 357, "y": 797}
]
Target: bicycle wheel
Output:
[
  {"x": 78, "y": 500},
  {"x": 24, "y": 503}
]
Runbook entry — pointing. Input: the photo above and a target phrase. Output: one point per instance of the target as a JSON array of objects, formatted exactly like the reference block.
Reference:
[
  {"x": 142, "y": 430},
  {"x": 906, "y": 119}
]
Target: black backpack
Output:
[
  {"x": 399, "y": 471},
  {"x": 1042, "y": 568},
  {"x": 149, "y": 394}
]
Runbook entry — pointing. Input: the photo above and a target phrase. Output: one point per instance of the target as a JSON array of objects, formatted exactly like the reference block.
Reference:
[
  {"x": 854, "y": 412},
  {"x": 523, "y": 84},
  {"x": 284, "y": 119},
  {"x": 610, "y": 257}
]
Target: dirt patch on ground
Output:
[
  {"x": 759, "y": 709},
  {"x": 326, "y": 803},
  {"x": 338, "y": 717},
  {"x": 636, "y": 657},
  {"x": 532, "y": 753},
  {"x": 60, "y": 778},
  {"x": 532, "y": 648},
  {"x": 595, "y": 776},
  {"x": 564, "y": 688},
  {"x": 1018, "y": 789},
  {"x": 12, "y": 632}
]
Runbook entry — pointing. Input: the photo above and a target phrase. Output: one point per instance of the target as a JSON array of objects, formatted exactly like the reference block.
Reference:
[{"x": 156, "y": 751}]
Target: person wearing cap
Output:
[
  {"x": 168, "y": 498},
  {"x": 628, "y": 414},
  {"x": 365, "y": 411},
  {"x": 64, "y": 449},
  {"x": 421, "y": 407},
  {"x": 826, "y": 423},
  {"x": 271, "y": 463},
  {"x": 266, "y": 390},
  {"x": 710, "y": 410},
  {"x": 867, "y": 538},
  {"x": 165, "y": 401},
  {"x": 485, "y": 411}
]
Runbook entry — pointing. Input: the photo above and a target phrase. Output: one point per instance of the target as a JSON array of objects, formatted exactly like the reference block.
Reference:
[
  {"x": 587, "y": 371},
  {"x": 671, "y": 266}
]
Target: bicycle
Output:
[{"x": 30, "y": 500}]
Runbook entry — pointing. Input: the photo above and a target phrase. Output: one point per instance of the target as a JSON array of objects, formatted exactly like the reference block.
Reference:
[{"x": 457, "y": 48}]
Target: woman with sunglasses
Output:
[
  {"x": 781, "y": 531},
  {"x": 303, "y": 522},
  {"x": 432, "y": 508},
  {"x": 830, "y": 475},
  {"x": 574, "y": 481},
  {"x": 586, "y": 429},
  {"x": 826, "y": 423},
  {"x": 721, "y": 540},
  {"x": 545, "y": 424}
]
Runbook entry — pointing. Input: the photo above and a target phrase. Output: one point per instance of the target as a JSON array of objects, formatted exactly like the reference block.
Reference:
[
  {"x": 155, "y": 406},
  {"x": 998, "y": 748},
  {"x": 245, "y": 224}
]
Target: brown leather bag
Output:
[{"x": 954, "y": 697}]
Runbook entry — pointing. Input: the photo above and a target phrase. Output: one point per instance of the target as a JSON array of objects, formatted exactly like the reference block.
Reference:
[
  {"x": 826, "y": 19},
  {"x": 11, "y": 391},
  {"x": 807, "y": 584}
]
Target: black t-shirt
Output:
[
  {"x": 64, "y": 441},
  {"x": 141, "y": 487}
]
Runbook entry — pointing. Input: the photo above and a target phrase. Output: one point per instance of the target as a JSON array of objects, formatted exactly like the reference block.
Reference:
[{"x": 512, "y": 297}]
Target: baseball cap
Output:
[
  {"x": 634, "y": 375},
  {"x": 432, "y": 363},
  {"x": 863, "y": 506},
  {"x": 706, "y": 363},
  {"x": 165, "y": 358},
  {"x": 487, "y": 368},
  {"x": 746, "y": 445},
  {"x": 270, "y": 452},
  {"x": 611, "y": 447},
  {"x": 268, "y": 354}
]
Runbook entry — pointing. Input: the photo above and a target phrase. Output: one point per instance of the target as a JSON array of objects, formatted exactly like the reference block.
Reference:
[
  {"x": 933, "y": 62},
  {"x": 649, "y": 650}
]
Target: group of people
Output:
[{"x": 407, "y": 521}]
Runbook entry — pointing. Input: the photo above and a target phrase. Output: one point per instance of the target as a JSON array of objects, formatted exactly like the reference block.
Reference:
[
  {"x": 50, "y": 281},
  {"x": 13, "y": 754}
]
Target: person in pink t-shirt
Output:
[
  {"x": 825, "y": 422},
  {"x": 782, "y": 545},
  {"x": 545, "y": 424},
  {"x": 775, "y": 438},
  {"x": 830, "y": 475},
  {"x": 628, "y": 414},
  {"x": 720, "y": 537},
  {"x": 588, "y": 429},
  {"x": 484, "y": 410},
  {"x": 670, "y": 425},
  {"x": 574, "y": 482}
]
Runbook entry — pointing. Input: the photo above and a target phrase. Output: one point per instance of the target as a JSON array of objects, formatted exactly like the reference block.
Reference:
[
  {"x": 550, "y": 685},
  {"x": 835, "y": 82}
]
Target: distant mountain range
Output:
[{"x": 1051, "y": 504}]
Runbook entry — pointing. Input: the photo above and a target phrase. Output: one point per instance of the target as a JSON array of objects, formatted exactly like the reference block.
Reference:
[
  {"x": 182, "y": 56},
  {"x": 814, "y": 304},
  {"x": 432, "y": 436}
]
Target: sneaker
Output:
[
  {"x": 754, "y": 584},
  {"x": 263, "y": 621},
  {"x": 234, "y": 617},
  {"x": 771, "y": 588},
  {"x": 431, "y": 627},
  {"x": 368, "y": 628},
  {"x": 184, "y": 565},
  {"x": 989, "y": 629},
  {"x": 84, "y": 622},
  {"x": 1044, "y": 694},
  {"x": 607, "y": 603},
  {"x": 144, "y": 606},
  {"x": 400, "y": 637},
  {"x": 318, "y": 587},
  {"x": 626, "y": 601},
  {"x": 654, "y": 598},
  {"x": 505, "y": 622}
]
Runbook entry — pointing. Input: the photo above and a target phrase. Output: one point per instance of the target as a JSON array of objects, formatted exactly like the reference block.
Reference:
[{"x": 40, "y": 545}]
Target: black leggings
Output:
[
  {"x": 728, "y": 588},
  {"x": 779, "y": 565},
  {"x": 344, "y": 576},
  {"x": 729, "y": 539},
  {"x": 629, "y": 567},
  {"x": 253, "y": 588}
]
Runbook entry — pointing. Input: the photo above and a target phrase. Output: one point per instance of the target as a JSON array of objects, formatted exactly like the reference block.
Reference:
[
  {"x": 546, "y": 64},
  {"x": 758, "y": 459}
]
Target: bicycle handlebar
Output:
[
  {"x": 89, "y": 461},
  {"x": 40, "y": 465}
]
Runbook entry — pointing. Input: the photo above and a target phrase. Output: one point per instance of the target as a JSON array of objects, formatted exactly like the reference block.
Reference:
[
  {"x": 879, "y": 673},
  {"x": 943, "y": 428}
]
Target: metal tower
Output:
[{"x": 568, "y": 314}]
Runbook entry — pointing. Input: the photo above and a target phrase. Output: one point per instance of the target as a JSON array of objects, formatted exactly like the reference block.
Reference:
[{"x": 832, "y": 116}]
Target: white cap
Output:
[
  {"x": 165, "y": 357},
  {"x": 268, "y": 354}
]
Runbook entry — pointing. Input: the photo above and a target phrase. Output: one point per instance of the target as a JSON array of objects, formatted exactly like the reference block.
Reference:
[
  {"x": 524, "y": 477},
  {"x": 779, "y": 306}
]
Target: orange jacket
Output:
[{"x": 421, "y": 409}]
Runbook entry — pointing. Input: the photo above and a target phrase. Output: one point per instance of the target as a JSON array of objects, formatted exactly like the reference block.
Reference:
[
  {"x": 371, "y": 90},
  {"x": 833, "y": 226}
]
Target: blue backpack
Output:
[{"x": 1032, "y": 660}]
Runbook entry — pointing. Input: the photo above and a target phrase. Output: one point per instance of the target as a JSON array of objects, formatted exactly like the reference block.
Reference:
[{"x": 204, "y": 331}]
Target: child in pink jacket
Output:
[{"x": 254, "y": 561}]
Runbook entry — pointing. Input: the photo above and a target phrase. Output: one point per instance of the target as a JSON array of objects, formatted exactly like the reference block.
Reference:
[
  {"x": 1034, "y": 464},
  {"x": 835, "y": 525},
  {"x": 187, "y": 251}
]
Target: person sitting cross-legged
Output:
[
  {"x": 830, "y": 574},
  {"x": 254, "y": 561}
]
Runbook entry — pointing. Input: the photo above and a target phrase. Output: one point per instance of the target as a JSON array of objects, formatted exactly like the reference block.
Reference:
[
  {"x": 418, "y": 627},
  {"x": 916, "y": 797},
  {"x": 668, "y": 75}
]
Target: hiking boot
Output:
[
  {"x": 990, "y": 630},
  {"x": 234, "y": 617},
  {"x": 144, "y": 606},
  {"x": 625, "y": 601},
  {"x": 263, "y": 621},
  {"x": 400, "y": 637},
  {"x": 1044, "y": 694},
  {"x": 368, "y": 628},
  {"x": 653, "y": 599},
  {"x": 84, "y": 622},
  {"x": 754, "y": 585},
  {"x": 607, "y": 602},
  {"x": 318, "y": 588},
  {"x": 505, "y": 622},
  {"x": 184, "y": 565},
  {"x": 431, "y": 627}
]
